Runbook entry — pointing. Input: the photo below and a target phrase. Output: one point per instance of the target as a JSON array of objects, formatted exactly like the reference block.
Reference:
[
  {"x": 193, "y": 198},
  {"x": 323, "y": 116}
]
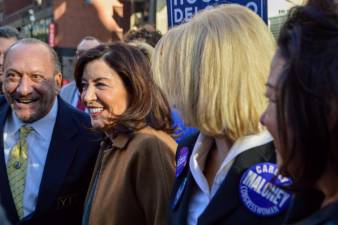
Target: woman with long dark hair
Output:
[
  {"x": 302, "y": 113},
  {"x": 135, "y": 167}
]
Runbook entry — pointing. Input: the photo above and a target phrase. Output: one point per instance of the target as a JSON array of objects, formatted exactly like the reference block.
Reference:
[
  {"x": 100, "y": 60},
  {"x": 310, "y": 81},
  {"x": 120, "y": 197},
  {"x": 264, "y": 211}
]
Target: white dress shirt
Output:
[
  {"x": 203, "y": 194},
  {"x": 38, "y": 142}
]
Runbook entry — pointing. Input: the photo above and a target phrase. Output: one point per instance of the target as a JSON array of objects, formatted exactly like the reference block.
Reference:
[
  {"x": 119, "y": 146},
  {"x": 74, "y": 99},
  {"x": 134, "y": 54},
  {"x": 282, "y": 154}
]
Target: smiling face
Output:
[
  {"x": 103, "y": 93},
  {"x": 30, "y": 85},
  {"x": 269, "y": 117}
]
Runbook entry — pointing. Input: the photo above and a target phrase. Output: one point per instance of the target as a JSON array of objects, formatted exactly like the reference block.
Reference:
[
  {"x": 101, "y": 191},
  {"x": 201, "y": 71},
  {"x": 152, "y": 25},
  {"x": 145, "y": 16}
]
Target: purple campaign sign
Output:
[
  {"x": 182, "y": 10},
  {"x": 261, "y": 190}
]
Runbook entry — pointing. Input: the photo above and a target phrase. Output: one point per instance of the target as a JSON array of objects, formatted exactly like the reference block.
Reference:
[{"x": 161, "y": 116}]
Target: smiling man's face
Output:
[{"x": 30, "y": 85}]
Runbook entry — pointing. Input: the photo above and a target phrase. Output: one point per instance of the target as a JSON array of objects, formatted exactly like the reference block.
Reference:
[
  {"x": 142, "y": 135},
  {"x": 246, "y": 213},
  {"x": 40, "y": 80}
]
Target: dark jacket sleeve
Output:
[{"x": 3, "y": 218}]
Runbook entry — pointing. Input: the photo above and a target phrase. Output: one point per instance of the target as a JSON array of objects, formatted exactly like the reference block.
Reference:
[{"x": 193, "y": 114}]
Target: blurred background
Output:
[{"x": 63, "y": 23}]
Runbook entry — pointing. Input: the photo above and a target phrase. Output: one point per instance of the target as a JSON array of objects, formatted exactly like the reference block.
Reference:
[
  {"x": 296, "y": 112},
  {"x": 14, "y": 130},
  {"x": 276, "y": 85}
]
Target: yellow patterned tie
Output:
[{"x": 16, "y": 168}]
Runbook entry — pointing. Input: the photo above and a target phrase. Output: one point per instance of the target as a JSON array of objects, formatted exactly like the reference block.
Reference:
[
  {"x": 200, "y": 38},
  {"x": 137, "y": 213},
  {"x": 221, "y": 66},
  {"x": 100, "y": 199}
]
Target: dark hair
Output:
[
  {"x": 147, "y": 103},
  {"x": 307, "y": 93},
  {"x": 147, "y": 34},
  {"x": 9, "y": 32}
]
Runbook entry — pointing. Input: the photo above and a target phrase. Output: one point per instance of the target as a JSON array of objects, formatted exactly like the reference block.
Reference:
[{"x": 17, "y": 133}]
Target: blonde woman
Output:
[{"x": 214, "y": 69}]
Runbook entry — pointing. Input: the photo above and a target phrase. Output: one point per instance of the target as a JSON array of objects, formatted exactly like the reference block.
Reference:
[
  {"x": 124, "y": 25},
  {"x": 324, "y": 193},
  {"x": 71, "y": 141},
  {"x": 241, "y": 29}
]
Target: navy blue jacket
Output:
[
  {"x": 67, "y": 172},
  {"x": 325, "y": 216},
  {"x": 226, "y": 207}
]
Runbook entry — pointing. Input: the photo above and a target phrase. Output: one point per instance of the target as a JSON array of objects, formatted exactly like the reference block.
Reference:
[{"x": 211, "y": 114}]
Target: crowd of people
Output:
[{"x": 215, "y": 123}]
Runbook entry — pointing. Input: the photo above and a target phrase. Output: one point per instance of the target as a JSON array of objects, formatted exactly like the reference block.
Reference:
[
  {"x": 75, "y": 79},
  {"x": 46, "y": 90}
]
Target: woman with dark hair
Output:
[
  {"x": 302, "y": 114},
  {"x": 135, "y": 167}
]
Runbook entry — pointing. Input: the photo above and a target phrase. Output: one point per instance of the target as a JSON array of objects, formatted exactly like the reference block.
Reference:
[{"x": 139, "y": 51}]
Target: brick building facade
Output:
[{"x": 63, "y": 23}]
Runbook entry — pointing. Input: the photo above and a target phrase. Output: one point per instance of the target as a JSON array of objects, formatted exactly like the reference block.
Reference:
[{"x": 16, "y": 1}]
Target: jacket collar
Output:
[
  {"x": 116, "y": 141},
  {"x": 121, "y": 140}
]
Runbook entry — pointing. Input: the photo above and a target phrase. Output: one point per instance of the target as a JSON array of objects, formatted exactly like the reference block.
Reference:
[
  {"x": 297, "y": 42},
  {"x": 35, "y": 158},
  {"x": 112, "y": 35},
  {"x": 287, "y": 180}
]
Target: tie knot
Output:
[{"x": 24, "y": 132}]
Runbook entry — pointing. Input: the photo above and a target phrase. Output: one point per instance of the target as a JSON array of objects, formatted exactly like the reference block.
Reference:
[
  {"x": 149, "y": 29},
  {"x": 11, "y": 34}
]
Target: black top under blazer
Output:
[
  {"x": 306, "y": 209},
  {"x": 324, "y": 216},
  {"x": 226, "y": 207}
]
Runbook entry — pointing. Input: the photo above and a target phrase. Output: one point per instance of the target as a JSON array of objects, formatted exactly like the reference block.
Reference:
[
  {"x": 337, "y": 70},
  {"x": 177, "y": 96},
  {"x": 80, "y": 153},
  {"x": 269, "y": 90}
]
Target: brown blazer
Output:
[{"x": 132, "y": 180}]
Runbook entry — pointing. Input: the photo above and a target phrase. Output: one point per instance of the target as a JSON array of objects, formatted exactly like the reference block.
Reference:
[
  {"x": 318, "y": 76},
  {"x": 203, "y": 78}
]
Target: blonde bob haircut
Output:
[{"x": 214, "y": 69}]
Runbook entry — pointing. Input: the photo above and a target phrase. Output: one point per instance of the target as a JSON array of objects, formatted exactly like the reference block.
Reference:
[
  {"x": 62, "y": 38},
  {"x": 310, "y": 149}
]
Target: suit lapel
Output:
[
  {"x": 180, "y": 208},
  {"x": 5, "y": 191},
  {"x": 181, "y": 211},
  {"x": 226, "y": 198},
  {"x": 224, "y": 201},
  {"x": 61, "y": 152}
]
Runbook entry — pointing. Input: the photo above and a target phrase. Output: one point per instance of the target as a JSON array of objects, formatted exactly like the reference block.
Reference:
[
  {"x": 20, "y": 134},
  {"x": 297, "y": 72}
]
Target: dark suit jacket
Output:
[
  {"x": 305, "y": 203},
  {"x": 324, "y": 216},
  {"x": 226, "y": 207},
  {"x": 67, "y": 172},
  {"x": 3, "y": 218}
]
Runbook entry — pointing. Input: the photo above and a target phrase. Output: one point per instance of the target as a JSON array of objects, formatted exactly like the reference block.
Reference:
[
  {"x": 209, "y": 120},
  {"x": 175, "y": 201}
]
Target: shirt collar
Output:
[
  {"x": 42, "y": 126},
  {"x": 119, "y": 141},
  {"x": 203, "y": 145},
  {"x": 245, "y": 143}
]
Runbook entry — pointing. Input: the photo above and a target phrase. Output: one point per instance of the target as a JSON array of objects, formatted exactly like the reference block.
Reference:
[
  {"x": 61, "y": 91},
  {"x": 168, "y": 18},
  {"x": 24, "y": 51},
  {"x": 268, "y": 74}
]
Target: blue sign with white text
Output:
[
  {"x": 263, "y": 191},
  {"x": 182, "y": 10}
]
